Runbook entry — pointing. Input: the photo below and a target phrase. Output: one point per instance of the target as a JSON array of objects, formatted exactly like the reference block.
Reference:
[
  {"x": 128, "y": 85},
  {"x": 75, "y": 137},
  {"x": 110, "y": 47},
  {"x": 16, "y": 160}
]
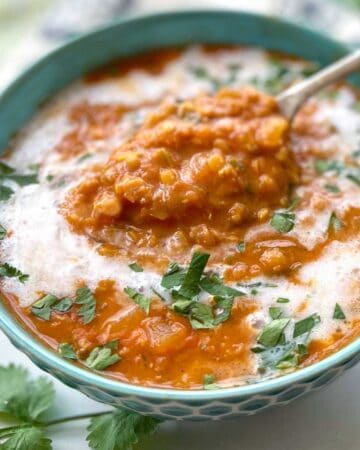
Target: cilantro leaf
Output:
[
  {"x": 5, "y": 193},
  {"x": 224, "y": 308},
  {"x": 325, "y": 165},
  {"x": 332, "y": 188},
  {"x": 21, "y": 397},
  {"x": 173, "y": 277},
  {"x": 282, "y": 300},
  {"x": 63, "y": 305},
  {"x": 208, "y": 382},
  {"x": 335, "y": 224},
  {"x": 102, "y": 357},
  {"x": 338, "y": 312},
  {"x": 306, "y": 325},
  {"x": 86, "y": 298},
  {"x": 31, "y": 438},
  {"x": 214, "y": 286},
  {"x": 283, "y": 222},
  {"x": 140, "y": 299},
  {"x": 120, "y": 430},
  {"x": 201, "y": 316},
  {"x": 275, "y": 312},
  {"x": 272, "y": 332},
  {"x": 135, "y": 267},
  {"x": 2, "y": 232},
  {"x": 190, "y": 285},
  {"x": 42, "y": 307},
  {"x": 67, "y": 351},
  {"x": 241, "y": 246},
  {"x": 11, "y": 272}
]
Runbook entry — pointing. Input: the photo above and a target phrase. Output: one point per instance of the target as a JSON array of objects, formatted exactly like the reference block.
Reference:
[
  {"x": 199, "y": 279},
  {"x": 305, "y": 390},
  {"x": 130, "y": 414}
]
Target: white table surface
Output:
[{"x": 326, "y": 420}]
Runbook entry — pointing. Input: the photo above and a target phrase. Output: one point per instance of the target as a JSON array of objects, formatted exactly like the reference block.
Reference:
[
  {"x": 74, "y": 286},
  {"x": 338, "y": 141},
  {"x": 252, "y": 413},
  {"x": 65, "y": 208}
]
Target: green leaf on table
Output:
[
  {"x": 120, "y": 430},
  {"x": 32, "y": 438},
  {"x": 22, "y": 397}
]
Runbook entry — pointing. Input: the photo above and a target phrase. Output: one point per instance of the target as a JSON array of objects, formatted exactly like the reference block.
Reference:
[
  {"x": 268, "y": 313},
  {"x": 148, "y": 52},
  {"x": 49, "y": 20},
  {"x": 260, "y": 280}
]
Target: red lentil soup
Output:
[{"x": 162, "y": 223}]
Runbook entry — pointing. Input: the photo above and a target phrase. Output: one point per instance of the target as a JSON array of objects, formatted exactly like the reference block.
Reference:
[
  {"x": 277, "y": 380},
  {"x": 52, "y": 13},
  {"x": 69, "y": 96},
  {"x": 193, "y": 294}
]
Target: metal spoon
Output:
[{"x": 291, "y": 99}]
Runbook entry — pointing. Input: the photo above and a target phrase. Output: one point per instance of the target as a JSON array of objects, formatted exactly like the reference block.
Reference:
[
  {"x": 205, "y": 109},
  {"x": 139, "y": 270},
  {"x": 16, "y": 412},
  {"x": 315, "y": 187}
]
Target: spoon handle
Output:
[{"x": 291, "y": 99}]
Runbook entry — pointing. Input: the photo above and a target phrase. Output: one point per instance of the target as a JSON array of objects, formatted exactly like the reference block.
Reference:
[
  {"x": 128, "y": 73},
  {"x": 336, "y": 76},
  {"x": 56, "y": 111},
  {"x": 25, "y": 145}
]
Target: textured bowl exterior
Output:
[{"x": 122, "y": 39}]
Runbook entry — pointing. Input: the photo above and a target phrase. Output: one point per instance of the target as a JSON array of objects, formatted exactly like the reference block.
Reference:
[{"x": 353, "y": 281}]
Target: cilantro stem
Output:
[
  {"x": 72, "y": 418},
  {"x": 10, "y": 430}
]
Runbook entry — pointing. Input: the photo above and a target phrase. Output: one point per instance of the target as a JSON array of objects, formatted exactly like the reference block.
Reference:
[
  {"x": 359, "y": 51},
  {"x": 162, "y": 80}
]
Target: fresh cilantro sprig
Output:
[{"x": 28, "y": 401}]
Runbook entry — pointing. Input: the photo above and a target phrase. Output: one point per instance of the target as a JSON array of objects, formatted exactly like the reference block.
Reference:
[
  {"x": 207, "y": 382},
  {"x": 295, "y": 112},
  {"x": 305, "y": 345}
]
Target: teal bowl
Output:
[{"x": 125, "y": 38}]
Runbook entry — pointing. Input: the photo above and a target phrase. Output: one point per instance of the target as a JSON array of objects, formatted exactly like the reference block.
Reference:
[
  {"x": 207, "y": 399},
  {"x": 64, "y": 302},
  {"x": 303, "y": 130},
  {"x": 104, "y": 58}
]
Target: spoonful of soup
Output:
[{"x": 292, "y": 98}]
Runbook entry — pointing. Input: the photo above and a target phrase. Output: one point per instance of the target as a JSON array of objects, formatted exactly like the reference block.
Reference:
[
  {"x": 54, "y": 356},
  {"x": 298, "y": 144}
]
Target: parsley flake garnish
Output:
[
  {"x": 140, "y": 299},
  {"x": 338, "y": 313}
]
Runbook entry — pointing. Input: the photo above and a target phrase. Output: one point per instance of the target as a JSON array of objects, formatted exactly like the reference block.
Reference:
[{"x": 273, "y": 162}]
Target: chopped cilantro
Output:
[
  {"x": 135, "y": 267},
  {"x": 272, "y": 332},
  {"x": 332, "y": 188},
  {"x": 173, "y": 277},
  {"x": 190, "y": 285},
  {"x": 102, "y": 357},
  {"x": 338, "y": 312},
  {"x": 335, "y": 224},
  {"x": 282, "y": 300},
  {"x": 209, "y": 382},
  {"x": 306, "y": 325},
  {"x": 140, "y": 299},
  {"x": 67, "y": 351},
  {"x": 283, "y": 222},
  {"x": 42, "y": 307},
  {"x": 86, "y": 298},
  {"x": 241, "y": 246},
  {"x": 11, "y": 272},
  {"x": 275, "y": 312},
  {"x": 214, "y": 286},
  {"x": 2, "y": 232}
]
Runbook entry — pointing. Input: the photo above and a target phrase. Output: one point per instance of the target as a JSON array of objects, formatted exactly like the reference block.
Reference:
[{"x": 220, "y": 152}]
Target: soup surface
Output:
[{"x": 162, "y": 223}]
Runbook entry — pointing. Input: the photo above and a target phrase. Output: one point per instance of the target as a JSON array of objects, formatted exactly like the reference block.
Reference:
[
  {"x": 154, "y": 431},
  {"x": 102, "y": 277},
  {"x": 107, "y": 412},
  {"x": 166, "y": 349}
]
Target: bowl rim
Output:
[{"x": 48, "y": 358}]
